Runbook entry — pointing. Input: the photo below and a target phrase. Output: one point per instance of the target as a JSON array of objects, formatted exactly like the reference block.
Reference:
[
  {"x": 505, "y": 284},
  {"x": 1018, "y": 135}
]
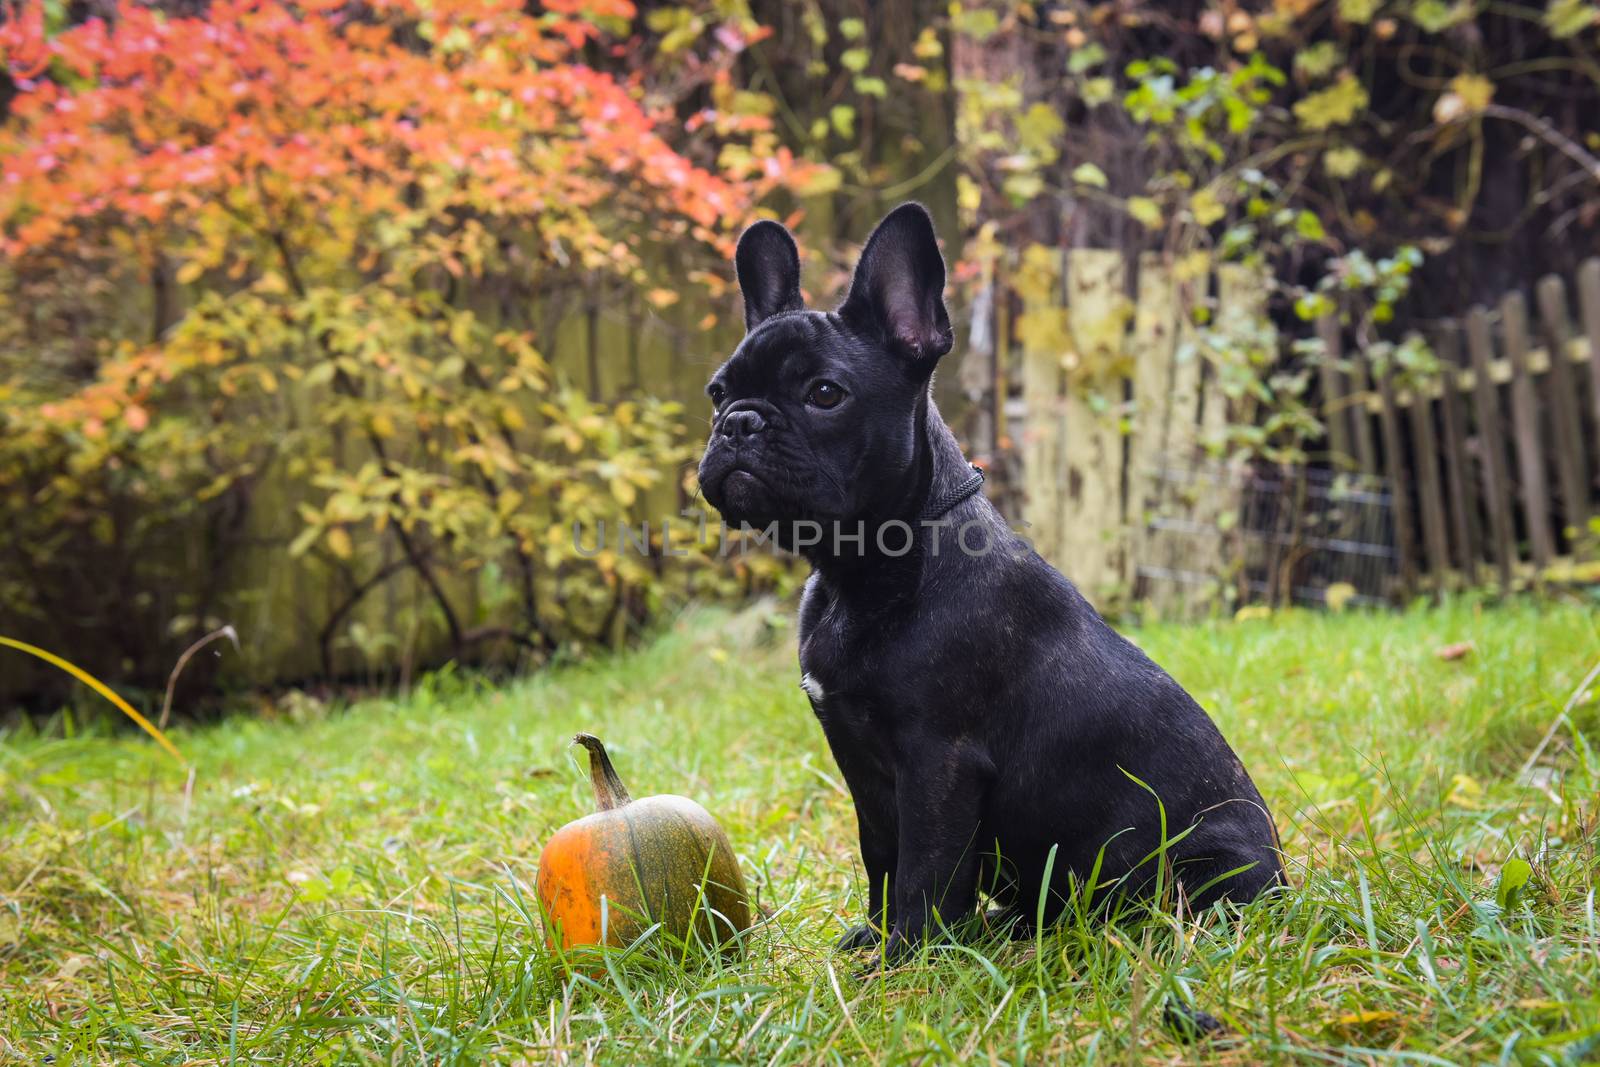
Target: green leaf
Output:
[
  {"x": 1567, "y": 18},
  {"x": 1097, "y": 91},
  {"x": 1023, "y": 187},
  {"x": 305, "y": 540},
  {"x": 1319, "y": 60},
  {"x": 852, "y": 29},
  {"x": 1090, "y": 55},
  {"x": 1334, "y": 106},
  {"x": 1359, "y": 11},
  {"x": 843, "y": 117},
  {"x": 855, "y": 60},
  {"x": 1089, "y": 174},
  {"x": 1514, "y": 875},
  {"x": 1435, "y": 16},
  {"x": 1037, "y": 130}
]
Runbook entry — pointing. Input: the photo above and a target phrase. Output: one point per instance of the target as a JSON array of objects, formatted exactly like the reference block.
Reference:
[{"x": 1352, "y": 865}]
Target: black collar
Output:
[{"x": 939, "y": 506}]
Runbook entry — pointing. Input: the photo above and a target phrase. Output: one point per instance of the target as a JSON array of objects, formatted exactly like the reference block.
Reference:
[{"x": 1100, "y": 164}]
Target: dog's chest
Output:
[{"x": 837, "y": 675}]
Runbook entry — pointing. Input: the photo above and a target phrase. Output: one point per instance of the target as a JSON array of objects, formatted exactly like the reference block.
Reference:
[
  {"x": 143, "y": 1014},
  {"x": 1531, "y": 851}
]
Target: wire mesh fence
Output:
[{"x": 1265, "y": 534}]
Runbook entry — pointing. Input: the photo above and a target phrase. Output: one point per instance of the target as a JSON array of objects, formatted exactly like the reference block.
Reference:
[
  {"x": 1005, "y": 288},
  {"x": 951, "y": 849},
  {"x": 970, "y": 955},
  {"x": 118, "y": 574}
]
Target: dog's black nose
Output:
[{"x": 743, "y": 423}]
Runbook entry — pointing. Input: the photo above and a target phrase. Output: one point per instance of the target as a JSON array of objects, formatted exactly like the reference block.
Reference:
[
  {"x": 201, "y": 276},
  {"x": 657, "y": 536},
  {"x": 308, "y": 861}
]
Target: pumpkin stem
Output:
[{"x": 609, "y": 792}]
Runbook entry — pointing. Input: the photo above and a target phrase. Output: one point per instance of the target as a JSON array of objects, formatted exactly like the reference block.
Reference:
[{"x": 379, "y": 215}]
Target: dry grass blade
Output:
[{"x": 172, "y": 679}]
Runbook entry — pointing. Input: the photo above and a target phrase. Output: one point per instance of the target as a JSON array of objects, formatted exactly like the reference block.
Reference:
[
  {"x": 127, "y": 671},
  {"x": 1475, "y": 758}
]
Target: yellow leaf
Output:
[
  {"x": 1205, "y": 207},
  {"x": 339, "y": 542},
  {"x": 1146, "y": 211},
  {"x": 818, "y": 180},
  {"x": 1252, "y": 612},
  {"x": 1192, "y": 265},
  {"x": 1341, "y": 162},
  {"x": 1337, "y": 595},
  {"x": 1474, "y": 90}
]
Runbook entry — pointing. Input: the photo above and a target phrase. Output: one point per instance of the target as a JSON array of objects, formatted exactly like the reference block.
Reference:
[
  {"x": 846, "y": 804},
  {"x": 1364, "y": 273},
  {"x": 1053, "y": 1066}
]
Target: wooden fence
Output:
[{"x": 1483, "y": 471}]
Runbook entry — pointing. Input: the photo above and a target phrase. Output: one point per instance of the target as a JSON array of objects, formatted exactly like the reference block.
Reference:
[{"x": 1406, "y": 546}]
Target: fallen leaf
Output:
[{"x": 1459, "y": 650}]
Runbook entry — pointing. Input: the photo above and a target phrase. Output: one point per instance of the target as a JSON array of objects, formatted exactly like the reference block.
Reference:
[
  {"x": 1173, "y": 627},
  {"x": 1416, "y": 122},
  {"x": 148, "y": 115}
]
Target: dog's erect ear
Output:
[
  {"x": 898, "y": 289},
  {"x": 768, "y": 265}
]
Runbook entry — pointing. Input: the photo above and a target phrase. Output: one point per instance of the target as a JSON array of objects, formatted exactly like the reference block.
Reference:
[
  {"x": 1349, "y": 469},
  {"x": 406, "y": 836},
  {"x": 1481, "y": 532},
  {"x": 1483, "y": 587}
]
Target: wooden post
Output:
[
  {"x": 1185, "y": 554},
  {"x": 1458, "y": 467},
  {"x": 1042, "y": 383},
  {"x": 1335, "y": 391},
  {"x": 1566, "y": 419},
  {"x": 1399, "y": 483},
  {"x": 1092, "y": 503},
  {"x": 1491, "y": 444},
  {"x": 1154, "y": 344},
  {"x": 1525, "y": 428},
  {"x": 1589, "y": 303}
]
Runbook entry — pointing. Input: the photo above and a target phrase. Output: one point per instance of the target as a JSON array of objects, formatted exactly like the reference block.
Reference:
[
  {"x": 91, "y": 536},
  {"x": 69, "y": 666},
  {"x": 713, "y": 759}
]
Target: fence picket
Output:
[
  {"x": 1430, "y": 493},
  {"x": 1092, "y": 515},
  {"x": 1589, "y": 302},
  {"x": 1154, "y": 346},
  {"x": 1491, "y": 444},
  {"x": 1561, "y": 395},
  {"x": 1525, "y": 430},
  {"x": 1042, "y": 429},
  {"x": 1335, "y": 389},
  {"x": 1463, "y": 495},
  {"x": 1399, "y": 482}
]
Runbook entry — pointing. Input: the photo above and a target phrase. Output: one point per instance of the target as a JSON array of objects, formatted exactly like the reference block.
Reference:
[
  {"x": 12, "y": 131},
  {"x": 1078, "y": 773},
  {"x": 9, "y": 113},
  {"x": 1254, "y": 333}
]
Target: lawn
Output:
[{"x": 355, "y": 884}]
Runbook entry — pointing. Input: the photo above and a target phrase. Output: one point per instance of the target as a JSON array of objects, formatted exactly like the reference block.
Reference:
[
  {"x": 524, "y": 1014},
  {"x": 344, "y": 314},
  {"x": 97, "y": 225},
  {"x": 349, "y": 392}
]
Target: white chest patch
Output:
[{"x": 812, "y": 687}]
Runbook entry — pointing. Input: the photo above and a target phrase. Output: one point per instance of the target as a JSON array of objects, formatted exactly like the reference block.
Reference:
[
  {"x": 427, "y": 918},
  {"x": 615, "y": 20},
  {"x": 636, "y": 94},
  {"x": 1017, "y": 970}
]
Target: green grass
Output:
[{"x": 356, "y": 885}]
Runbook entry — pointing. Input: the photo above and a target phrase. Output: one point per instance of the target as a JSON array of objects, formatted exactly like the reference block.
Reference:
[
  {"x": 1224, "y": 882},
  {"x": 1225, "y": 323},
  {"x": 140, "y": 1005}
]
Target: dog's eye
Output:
[
  {"x": 825, "y": 395},
  {"x": 717, "y": 394}
]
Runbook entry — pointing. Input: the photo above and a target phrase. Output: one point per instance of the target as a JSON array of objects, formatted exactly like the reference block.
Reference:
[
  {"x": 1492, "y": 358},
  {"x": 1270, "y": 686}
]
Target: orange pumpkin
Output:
[{"x": 648, "y": 860}]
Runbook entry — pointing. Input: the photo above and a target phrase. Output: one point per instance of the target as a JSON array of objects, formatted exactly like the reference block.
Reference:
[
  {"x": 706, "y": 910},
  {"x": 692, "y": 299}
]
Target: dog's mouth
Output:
[{"x": 742, "y": 495}]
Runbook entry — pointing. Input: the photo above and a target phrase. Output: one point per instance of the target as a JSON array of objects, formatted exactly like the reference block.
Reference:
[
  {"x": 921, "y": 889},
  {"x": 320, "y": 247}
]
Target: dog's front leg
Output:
[
  {"x": 936, "y": 877},
  {"x": 875, "y": 819}
]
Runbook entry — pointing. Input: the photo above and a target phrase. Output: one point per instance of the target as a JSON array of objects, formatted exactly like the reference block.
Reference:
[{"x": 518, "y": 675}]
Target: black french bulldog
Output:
[{"x": 983, "y": 714}]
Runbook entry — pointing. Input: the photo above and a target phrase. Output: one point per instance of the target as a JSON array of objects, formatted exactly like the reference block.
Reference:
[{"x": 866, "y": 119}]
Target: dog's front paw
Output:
[
  {"x": 896, "y": 951},
  {"x": 864, "y": 936},
  {"x": 1010, "y": 922}
]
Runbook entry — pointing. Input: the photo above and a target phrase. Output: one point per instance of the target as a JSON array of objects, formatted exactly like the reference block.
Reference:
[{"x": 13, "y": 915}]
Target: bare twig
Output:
[
  {"x": 172, "y": 679},
  {"x": 1530, "y": 122}
]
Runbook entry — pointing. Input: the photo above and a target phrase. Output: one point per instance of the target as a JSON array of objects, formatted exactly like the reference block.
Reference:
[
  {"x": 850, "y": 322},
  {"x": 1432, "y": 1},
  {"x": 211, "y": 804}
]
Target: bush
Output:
[{"x": 282, "y": 278}]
